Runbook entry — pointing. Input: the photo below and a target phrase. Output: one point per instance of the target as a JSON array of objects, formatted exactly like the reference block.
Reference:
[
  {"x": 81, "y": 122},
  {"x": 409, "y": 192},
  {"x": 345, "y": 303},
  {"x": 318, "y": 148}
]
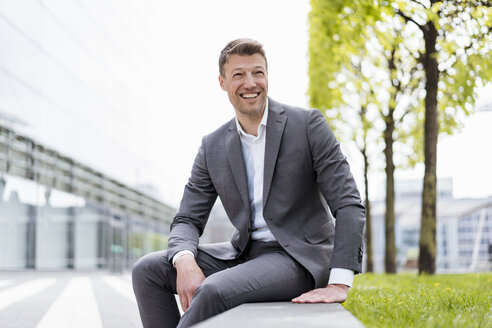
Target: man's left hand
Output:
[{"x": 334, "y": 293}]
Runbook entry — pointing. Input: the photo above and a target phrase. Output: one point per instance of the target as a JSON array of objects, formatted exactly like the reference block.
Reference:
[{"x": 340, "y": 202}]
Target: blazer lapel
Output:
[
  {"x": 274, "y": 131},
  {"x": 236, "y": 162}
]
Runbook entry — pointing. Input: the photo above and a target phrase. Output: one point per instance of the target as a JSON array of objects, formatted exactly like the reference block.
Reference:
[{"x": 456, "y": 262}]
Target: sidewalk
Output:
[
  {"x": 71, "y": 299},
  {"x": 67, "y": 299}
]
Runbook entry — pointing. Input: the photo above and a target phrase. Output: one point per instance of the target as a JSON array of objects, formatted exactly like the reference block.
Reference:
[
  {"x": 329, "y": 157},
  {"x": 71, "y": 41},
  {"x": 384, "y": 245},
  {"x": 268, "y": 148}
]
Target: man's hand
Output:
[
  {"x": 189, "y": 277},
  {"x": 334, "y": 293}
]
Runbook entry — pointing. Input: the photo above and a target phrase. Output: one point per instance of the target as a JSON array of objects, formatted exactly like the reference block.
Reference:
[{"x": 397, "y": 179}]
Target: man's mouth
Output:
[{"x": 249, "y": 95}]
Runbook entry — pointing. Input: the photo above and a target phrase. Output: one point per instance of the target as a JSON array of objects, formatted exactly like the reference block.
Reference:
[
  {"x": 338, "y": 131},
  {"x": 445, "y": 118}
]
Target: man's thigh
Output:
[
  {"x": 210, "y": 265},
  {"x": 156, "y": 268},
  {"x": 274, "y": 276}
]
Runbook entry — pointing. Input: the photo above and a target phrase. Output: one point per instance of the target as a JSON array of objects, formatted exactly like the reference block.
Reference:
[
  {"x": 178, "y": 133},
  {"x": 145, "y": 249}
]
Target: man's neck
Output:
[{"x": 249, "y": 123}]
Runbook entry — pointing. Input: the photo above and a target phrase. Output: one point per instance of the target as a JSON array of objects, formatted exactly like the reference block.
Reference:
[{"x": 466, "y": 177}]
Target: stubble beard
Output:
[{"x": 253, "y": 114}]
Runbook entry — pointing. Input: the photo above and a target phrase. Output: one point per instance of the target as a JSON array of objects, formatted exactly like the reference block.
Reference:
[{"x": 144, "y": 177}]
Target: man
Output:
[{"x": 275, "y": 169}]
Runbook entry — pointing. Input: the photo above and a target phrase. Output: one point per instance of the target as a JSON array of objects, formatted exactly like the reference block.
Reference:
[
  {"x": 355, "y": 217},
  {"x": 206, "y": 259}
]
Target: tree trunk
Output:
[
  {"x": 389, "y": 217},
  {"x": 427, "y": 253},
  {"x": 369, "y": 263}
]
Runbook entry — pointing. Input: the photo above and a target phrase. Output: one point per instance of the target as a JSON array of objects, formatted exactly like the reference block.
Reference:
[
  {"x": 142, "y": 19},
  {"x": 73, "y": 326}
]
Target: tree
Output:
[
  {"x": 330, "y": 43},
  {"x": 359, "y": 54},
  {"x": 456, "y": 59},
  {"x": 365, "y": 155},
  {"x": 436, "y": 54},
  {"x": 362, "y": 105},
  {"x": 404, "y": 81}
]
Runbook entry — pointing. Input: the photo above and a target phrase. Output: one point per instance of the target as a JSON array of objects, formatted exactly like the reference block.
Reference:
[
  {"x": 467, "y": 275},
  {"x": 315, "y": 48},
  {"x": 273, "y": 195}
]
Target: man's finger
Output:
[
  {"x": 304, "y": 297},
  {"x": 331, "y": 294},
  {"x": 298, "y": 298},
  {"x": 183, "y": 299}
]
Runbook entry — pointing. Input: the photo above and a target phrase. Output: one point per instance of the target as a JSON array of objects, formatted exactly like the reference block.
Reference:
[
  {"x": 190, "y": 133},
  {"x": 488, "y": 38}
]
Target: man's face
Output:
[{"x": 246, "y": 82}]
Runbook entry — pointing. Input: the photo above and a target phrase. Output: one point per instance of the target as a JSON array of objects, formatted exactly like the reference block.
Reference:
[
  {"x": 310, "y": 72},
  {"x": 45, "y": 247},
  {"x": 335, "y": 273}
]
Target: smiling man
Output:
[{"x": 282, "y": 178}]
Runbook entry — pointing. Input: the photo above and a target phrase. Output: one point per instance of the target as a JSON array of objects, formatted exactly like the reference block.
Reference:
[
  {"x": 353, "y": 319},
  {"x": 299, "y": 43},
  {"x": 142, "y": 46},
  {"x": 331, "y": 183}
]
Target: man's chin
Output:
[{"x": 253, "y": 112}]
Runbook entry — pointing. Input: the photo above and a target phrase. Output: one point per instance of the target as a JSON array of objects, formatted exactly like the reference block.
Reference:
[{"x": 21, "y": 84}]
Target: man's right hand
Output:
[{"x": 189, "y": 277}]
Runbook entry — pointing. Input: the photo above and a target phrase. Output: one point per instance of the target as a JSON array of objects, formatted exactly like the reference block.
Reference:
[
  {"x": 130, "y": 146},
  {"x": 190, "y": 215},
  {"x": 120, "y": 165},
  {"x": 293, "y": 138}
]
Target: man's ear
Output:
[{"x": 221, "y": 82}]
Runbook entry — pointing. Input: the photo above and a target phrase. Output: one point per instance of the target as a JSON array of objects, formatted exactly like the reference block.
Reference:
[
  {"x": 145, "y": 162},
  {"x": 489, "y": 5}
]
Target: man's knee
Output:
[
  {"x": 143, "y": 265},
  {"x": 149, "y": 265},
  {"x": 211, "y": 292}
]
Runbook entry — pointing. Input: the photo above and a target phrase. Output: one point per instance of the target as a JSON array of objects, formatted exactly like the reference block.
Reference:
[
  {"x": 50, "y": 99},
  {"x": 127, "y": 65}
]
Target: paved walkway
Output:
[
  {"x": 99, "y": 299},
  {"x": 67, "y": 299}
]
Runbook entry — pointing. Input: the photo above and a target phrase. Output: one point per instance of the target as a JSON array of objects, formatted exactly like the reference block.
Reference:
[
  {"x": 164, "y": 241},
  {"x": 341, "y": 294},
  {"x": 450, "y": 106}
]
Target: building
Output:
[
  {"x": 56, "y": 213},
  {"x": 463, "y": 234},
  {"x": 80, "y": 114}
]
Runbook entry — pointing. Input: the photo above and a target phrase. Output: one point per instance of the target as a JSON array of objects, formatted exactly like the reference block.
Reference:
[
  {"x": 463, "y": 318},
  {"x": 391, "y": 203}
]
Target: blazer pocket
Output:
[{"x": 319, "y": 234}]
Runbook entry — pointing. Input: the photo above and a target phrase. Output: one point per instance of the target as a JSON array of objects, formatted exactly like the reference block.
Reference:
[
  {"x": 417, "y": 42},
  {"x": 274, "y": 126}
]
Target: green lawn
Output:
[{"x": 409, "y": 300}]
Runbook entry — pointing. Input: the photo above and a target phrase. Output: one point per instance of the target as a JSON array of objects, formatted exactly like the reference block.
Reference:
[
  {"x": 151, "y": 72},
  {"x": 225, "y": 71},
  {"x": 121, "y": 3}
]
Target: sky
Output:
[{"x": 131, "y": 87}]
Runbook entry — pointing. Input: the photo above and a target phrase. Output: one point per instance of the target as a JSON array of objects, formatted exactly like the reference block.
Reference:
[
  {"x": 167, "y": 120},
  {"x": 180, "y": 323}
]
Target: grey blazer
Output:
[{"x": 304, "y": 172}]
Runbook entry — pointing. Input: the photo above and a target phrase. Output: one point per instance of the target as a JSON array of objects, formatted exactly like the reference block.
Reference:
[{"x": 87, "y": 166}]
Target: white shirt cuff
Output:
[
  {"x": 340, "y": 276},
  {"x": 181, "y": 253}
]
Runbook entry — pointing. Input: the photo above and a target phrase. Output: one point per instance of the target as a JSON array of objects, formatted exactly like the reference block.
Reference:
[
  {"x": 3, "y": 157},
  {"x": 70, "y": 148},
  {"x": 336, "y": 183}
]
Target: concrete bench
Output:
[{"x": 283, "y": 315}]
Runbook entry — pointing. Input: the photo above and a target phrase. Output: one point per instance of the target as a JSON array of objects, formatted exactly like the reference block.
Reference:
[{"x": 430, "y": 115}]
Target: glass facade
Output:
[{"x": 52, "y": 230}]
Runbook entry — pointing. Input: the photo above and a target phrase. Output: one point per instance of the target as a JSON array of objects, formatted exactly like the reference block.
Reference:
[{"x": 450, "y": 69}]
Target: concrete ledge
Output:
[{"x": 283, "y": 315}]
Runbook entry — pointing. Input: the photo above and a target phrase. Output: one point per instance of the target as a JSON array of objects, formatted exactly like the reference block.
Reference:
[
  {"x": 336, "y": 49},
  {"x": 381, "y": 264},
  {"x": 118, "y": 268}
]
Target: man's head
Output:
[
  {"x": 241, "y": 47},
  {"x": 243, "y": 74}
]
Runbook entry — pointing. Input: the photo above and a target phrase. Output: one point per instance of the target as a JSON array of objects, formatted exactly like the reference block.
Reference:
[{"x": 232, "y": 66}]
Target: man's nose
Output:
[{"x": 250, "y": 81}]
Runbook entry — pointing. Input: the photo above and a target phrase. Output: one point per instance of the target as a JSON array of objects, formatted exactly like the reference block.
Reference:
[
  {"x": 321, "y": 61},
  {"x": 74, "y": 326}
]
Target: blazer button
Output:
[{"x": 286, "y": 245}]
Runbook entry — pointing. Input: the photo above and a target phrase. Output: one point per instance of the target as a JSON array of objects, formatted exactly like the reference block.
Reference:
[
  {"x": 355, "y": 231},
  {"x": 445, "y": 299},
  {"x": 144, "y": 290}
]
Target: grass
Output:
[{"x": 409, "y": 300}]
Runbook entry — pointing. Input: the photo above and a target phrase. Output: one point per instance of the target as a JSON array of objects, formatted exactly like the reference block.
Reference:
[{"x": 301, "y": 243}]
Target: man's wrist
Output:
[
  {"x": 181, "y": 253},
  {"x": 341, "y": 276}
]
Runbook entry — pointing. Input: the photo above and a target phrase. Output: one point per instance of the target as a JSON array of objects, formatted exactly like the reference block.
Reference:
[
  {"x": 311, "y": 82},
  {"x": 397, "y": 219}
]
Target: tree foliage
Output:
[
  {"x": 455, "y": 56},
  {"x": 363, "y": 72},
  {"x": 409, "y": 61},
  {"x": 338, "y": 83},
  {"x": 463, "y": 44}
]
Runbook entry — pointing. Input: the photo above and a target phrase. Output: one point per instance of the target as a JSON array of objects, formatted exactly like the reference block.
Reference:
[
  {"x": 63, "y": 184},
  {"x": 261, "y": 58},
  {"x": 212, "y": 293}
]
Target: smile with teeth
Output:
[{"x": 250, "y": 95}]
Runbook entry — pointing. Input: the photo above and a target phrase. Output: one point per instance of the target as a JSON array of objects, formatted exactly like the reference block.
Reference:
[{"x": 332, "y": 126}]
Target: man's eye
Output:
[
  {"x": 259, "y": 73},
  {"x": 237, "y": 75}
]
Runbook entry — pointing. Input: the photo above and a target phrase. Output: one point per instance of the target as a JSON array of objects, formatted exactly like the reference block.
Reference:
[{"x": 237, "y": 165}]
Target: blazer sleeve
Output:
[
  {"x": 198, "y": 199},
  {"x": 340, "y": 192}
]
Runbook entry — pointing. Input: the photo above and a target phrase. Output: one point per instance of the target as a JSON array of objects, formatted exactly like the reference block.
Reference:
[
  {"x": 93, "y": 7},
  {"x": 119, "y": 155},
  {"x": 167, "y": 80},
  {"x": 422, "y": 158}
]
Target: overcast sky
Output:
[{"x": 130, "y": 87}]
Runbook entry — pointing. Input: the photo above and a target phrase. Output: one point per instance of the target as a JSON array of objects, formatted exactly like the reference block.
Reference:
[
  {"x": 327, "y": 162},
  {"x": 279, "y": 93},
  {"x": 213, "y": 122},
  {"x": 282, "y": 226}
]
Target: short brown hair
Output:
[{"x": 241, "y": 47}]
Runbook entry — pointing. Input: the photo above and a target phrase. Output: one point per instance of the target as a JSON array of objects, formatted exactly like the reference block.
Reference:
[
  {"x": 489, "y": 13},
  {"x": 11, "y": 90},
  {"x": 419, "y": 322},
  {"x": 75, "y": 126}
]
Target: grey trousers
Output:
[{"x": 265, "y": 273}]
